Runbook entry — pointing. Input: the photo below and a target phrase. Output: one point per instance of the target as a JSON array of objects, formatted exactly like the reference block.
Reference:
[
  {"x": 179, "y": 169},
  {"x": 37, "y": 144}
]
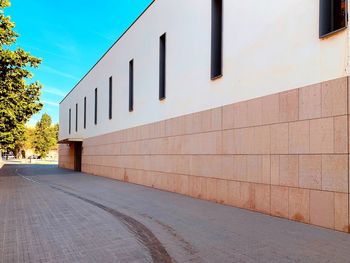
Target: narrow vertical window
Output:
[
  {"x": 216, "y": 39},
  {"x": 95, "y": 106},
  {"x": 70, "y": 121},
  {"x": 110, "y": 111},
  {"x": 84, "y": 112},
  {"x": 162, "y": 65},
  {"x": 76, "y": 117},
  {"x": 332, "y": 16},
  {"x": 131, "y": 85}
]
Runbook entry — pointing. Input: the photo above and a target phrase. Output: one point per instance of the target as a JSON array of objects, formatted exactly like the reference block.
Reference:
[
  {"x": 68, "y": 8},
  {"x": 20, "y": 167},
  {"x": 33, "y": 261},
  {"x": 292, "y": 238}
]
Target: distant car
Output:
[
  {"x": 8, "y": 156},
  {"x": 34, "y": 156}
]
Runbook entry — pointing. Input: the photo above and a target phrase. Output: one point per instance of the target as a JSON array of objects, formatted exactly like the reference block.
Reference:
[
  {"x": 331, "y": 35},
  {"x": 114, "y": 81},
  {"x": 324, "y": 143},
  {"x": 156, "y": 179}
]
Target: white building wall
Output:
[{"x": 268, "y": 46}]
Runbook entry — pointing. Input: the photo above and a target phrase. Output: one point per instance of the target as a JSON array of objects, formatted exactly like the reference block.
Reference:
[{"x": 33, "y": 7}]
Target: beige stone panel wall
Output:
[
  {"x": 66, "y": 156},
  {"x": 285, "y": 155}
]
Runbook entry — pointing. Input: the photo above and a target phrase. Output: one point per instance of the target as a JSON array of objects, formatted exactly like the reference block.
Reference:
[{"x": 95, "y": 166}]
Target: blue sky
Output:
[{"x": 70, "y": 36}]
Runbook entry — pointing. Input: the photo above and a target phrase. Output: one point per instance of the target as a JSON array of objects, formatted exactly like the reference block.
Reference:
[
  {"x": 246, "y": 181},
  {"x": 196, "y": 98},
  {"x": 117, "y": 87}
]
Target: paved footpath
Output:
[{"x": 49, "y": 214}]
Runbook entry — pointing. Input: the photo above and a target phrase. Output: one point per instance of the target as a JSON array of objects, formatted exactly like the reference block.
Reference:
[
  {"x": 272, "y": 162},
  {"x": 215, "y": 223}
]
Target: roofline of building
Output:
[{"x": 144, "y": 11}]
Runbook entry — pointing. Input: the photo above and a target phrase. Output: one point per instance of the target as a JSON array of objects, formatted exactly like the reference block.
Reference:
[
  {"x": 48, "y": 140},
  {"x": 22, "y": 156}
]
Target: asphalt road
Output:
[{"x": 49, "y": 214}]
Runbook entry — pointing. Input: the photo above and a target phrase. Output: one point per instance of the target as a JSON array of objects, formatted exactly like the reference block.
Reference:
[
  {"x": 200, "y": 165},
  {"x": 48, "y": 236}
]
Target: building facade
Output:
[{"x": 241, "y": 103}]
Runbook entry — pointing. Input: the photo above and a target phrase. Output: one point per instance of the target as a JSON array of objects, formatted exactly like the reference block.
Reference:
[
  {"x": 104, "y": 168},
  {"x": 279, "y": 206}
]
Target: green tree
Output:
[
  {"x": 45, "y": 136},
  {"x": 25, "y": 143},
  {"x": 29, "y": 138},
  {"x": 55, "y": 132},
  {"x": 19, "y": 100}
]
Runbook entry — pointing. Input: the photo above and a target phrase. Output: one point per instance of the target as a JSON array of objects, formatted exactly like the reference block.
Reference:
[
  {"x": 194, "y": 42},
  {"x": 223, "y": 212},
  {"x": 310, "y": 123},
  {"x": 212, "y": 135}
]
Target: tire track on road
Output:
[{"x": 144, "y": 236}]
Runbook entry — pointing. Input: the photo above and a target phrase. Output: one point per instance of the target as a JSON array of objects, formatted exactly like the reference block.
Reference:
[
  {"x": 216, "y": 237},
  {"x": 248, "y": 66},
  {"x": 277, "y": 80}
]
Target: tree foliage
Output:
[
  {"x": 45, "y": 136},
  {"x": 55, "y": 134},
  {"x": 25, "y": 143},
  {"x": 19, "y": 100}
]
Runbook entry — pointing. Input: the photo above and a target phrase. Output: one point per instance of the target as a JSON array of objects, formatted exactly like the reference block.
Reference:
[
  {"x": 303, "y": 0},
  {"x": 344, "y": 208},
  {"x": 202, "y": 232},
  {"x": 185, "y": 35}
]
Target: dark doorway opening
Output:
[{"x": 77, "y": 156}]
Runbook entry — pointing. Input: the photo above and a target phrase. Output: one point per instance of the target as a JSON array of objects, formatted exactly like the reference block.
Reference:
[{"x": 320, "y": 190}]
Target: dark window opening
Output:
[
  {"x": 95, "y": 106},
  {"x": 216, "y": 39},
  {"x": 131, "y": 85},
  {"x": 110, "y": 111},
  {"x": 333, "y": 16},
  {"x": 76, "y": 117},
  {"x": 84, "y": 112},
  {"x": 162, "y": 66},
  {"x": 70, "y": 121}
]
